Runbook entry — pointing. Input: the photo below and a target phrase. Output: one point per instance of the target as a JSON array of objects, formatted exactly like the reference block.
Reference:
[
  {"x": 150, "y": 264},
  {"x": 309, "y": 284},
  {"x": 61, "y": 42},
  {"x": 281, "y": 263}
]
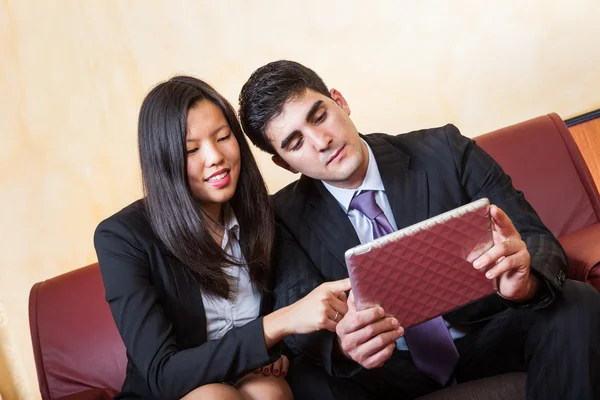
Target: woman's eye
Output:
[
  {"x": 191, "y": 151},
  {"x": 224, "y": 138}
]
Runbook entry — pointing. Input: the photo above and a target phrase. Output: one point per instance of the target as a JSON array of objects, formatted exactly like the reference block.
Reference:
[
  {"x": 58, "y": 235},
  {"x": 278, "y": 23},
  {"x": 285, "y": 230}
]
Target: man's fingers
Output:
[
  {"x": 342, "y": 296},
  {"x": 378, "y": 359},
  {"x": 513, "y": 262},
  {"x": 503, "y": 249},
  {"x": 358, "y": 319},
  {"x": 502, "y": 223},
  {"x": 375, "y": 343},
  {"x": 351, "y": 303},
  {"x": 363, "y": 335}
]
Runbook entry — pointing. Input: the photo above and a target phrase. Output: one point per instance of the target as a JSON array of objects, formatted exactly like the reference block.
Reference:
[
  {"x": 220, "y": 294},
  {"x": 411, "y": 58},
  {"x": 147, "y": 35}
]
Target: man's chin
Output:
[{"x": 344, "y": 181}]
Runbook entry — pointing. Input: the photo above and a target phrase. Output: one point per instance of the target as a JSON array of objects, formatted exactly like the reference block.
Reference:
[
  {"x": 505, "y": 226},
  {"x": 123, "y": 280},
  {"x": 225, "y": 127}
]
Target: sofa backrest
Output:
[
  {"x": 75, "y": 341},
  {"x": 544, "y": 162}
]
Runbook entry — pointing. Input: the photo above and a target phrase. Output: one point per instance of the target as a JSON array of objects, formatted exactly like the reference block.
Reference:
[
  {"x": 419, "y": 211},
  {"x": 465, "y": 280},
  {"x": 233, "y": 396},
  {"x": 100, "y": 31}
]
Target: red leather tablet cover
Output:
[{"x": 424, "y": 270}]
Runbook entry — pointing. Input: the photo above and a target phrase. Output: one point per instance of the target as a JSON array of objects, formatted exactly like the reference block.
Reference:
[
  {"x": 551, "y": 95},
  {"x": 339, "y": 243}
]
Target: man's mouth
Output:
[{"x": 336, "y": 155}]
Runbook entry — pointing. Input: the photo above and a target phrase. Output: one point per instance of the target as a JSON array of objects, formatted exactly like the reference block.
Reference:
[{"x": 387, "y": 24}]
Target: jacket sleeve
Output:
[
  {"x": 295, "y": 277},
  {"x": 481, "y": 176},
  {"x": 169, "y": 370}
]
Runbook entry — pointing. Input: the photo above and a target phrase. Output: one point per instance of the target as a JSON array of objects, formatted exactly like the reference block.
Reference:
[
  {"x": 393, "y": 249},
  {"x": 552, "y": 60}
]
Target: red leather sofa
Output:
[
  {"x": 544, "y": 162},
  {"x": 79, "y": 354},
  {"x": 78, "y": 351}
]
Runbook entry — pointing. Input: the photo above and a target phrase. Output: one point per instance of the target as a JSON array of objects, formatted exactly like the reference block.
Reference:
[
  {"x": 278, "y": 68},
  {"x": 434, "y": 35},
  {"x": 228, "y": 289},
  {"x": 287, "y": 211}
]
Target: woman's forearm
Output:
[{"x": 276, "y": 326}]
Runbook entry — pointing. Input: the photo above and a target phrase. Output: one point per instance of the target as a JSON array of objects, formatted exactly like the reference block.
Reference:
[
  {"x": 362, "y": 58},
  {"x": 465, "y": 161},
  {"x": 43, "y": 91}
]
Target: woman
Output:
[{"x": 187, "y": 268}]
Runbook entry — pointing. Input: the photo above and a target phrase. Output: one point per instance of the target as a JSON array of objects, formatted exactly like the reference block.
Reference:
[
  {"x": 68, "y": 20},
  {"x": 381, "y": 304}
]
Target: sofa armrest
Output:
[
  {"x": 92, "y": 394},
  {"x": 583, "y": 249}
]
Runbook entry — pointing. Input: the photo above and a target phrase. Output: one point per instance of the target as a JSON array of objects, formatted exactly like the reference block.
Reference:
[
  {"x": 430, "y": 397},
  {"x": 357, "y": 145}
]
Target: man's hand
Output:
[
  {"x": 508, "y": 261},
  {"x": 367, "y": 336}
]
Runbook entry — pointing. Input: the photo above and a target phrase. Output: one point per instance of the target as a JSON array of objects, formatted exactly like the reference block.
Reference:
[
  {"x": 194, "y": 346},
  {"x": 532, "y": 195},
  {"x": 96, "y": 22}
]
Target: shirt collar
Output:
[
  {"x": 372, "y": 181},
  {"x": 230, "y": 222}
]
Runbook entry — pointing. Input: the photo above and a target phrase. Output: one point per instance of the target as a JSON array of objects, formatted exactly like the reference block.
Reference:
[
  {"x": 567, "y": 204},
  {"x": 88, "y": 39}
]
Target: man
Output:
[{"x": 537, "y": 322}]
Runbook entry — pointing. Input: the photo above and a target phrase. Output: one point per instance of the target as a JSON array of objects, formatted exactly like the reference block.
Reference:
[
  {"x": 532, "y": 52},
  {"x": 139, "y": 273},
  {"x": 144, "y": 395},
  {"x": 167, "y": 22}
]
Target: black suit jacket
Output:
[
  {"x": 159, "y": 313},
  {"x": 425, "y": 173}
]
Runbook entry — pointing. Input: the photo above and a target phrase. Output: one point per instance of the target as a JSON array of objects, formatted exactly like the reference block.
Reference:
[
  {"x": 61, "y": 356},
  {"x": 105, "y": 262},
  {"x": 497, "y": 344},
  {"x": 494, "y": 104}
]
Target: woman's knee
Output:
[
  {"x": 217, "y": 391},
  {"x": 258, "y": 386}
]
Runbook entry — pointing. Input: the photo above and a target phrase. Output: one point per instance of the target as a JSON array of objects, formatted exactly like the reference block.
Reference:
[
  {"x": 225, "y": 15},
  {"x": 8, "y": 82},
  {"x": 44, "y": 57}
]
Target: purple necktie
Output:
[{"x": 430, "y": 344}]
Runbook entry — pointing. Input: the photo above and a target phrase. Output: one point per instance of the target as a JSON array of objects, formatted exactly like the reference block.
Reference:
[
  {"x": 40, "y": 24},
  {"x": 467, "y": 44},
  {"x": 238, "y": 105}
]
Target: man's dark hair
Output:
[
  {"x": 267, "y": 90},
  {"x": 175, "y": 215}
]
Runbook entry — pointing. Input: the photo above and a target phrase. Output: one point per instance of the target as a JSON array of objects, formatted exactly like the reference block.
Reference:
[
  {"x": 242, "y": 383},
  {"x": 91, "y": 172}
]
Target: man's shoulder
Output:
[
  {"x": 426, "y": 148},
  {"x": 293, "y": 196},
  {"x": 436, "y": 136}
]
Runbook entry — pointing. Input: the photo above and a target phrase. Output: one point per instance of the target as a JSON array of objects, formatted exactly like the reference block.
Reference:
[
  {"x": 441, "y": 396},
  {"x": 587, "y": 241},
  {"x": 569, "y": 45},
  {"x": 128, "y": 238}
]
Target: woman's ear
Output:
[{"x": 280, "y": 162}]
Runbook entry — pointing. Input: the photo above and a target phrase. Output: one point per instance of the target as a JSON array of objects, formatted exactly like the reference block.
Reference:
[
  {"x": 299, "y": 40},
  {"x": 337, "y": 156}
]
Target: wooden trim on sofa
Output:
[
  {"x": 585, "y": 130},
  {"x": 580, "y": 119}
]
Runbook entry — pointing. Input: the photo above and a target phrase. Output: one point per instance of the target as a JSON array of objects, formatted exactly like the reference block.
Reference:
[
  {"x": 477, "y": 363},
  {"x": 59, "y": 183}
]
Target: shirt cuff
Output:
[{"x": 542, "y": 299}]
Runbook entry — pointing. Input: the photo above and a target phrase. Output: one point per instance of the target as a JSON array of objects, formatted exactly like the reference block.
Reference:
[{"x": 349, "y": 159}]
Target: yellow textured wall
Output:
[{"x": 73, "y": 74}]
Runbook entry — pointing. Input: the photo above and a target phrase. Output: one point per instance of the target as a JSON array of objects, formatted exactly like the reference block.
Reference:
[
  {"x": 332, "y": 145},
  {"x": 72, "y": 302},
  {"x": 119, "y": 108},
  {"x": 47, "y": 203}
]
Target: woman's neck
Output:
[{"x": 214, "y": 221}]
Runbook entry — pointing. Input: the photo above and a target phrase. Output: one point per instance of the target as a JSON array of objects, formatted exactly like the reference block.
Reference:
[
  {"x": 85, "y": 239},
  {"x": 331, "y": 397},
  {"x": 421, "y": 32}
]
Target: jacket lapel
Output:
[
  {"x": 406, "y": 189},
  {"x": 330, "y": 223}
]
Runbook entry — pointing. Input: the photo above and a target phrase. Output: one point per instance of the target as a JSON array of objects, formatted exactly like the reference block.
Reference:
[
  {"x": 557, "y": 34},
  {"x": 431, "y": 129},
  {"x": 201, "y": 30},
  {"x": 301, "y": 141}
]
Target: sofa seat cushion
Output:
[
  {"x": 92, "y": 394},
  {"x": 500, "y": 387}
]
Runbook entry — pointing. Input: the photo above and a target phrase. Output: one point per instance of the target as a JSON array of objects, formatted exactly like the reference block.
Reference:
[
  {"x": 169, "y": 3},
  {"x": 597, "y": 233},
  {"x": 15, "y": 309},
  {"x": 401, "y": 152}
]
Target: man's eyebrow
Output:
[
  {"x": 313, "y": 110},
  {"x": 309, "y": 115},
  {"x": 288, "y": 139}
]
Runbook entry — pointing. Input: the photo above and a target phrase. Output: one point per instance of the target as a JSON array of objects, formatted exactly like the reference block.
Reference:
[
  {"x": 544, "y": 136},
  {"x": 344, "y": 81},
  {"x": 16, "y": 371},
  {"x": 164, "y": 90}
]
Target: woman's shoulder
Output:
[{"x": 131, "y": 223}]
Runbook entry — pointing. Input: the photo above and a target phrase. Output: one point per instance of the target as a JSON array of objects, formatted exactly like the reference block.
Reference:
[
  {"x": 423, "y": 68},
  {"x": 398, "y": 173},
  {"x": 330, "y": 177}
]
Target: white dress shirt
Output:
[
  {"x": 224, "y": 314},
  {"x": 362, "y": 224}
]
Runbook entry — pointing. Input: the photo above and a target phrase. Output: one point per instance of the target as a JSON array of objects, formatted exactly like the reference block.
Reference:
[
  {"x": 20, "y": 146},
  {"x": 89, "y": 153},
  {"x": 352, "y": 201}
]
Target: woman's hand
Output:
[
  {"x": 278, "y": 368},
  {"x": 322, "y": 308}
]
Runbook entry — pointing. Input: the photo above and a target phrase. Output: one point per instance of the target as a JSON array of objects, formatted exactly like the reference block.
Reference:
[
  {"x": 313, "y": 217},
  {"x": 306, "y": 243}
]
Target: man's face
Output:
[{"x": 315, "y": 136}]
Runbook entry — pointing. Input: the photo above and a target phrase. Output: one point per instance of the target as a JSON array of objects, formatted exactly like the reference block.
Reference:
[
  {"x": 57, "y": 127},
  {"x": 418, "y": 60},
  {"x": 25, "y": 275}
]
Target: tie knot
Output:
[{"x": 366, "y": 204}]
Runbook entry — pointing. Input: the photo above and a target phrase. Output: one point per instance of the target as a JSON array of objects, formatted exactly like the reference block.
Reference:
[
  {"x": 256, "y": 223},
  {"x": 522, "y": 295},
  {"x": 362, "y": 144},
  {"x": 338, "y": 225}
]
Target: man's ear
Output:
[
  {"x": 280, "y": 162},
  {"x": 340, "y": 100}
]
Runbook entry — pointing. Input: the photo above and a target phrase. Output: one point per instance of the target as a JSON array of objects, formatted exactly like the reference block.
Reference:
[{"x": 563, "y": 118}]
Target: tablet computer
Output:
[{"x": 424, "y": 270}]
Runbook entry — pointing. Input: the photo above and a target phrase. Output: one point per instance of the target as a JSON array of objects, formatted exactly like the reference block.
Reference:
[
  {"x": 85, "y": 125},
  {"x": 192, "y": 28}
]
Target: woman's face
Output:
[{"x": 213, "y": 157}]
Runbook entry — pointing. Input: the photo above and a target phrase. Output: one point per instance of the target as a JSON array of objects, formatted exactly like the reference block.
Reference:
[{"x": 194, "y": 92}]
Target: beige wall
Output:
[{"x": 73, "y": 73}]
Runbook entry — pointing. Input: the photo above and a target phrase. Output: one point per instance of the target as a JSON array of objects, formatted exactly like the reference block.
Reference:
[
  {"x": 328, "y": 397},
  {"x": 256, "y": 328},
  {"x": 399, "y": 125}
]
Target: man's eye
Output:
[
  {"x": 297, "y": 144},
  {"x": 191, "y": 151},
  {"x": 321, "y": 117},
  {"x": 224, "y": 138}
]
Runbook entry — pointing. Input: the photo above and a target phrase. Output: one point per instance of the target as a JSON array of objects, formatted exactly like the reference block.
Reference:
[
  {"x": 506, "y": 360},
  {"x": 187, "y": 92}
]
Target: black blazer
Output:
[
  {"x": 425, "y": 173},
  {"x": 160, "y": 316}
]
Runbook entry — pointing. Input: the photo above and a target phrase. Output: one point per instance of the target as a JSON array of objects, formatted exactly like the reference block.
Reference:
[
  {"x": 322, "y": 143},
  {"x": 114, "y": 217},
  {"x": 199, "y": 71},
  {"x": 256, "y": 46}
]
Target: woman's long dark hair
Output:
[{"x": 175, "y": 215}]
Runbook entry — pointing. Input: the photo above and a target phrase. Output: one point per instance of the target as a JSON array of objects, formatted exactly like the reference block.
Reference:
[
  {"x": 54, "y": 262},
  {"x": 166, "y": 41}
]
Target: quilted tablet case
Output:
[{"x": 424, "y": 270}]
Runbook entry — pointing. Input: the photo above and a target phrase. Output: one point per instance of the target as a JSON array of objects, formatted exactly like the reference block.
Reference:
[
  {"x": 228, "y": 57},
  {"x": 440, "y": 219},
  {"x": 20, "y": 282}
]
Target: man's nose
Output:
[{"x": 321, "y": 140}]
